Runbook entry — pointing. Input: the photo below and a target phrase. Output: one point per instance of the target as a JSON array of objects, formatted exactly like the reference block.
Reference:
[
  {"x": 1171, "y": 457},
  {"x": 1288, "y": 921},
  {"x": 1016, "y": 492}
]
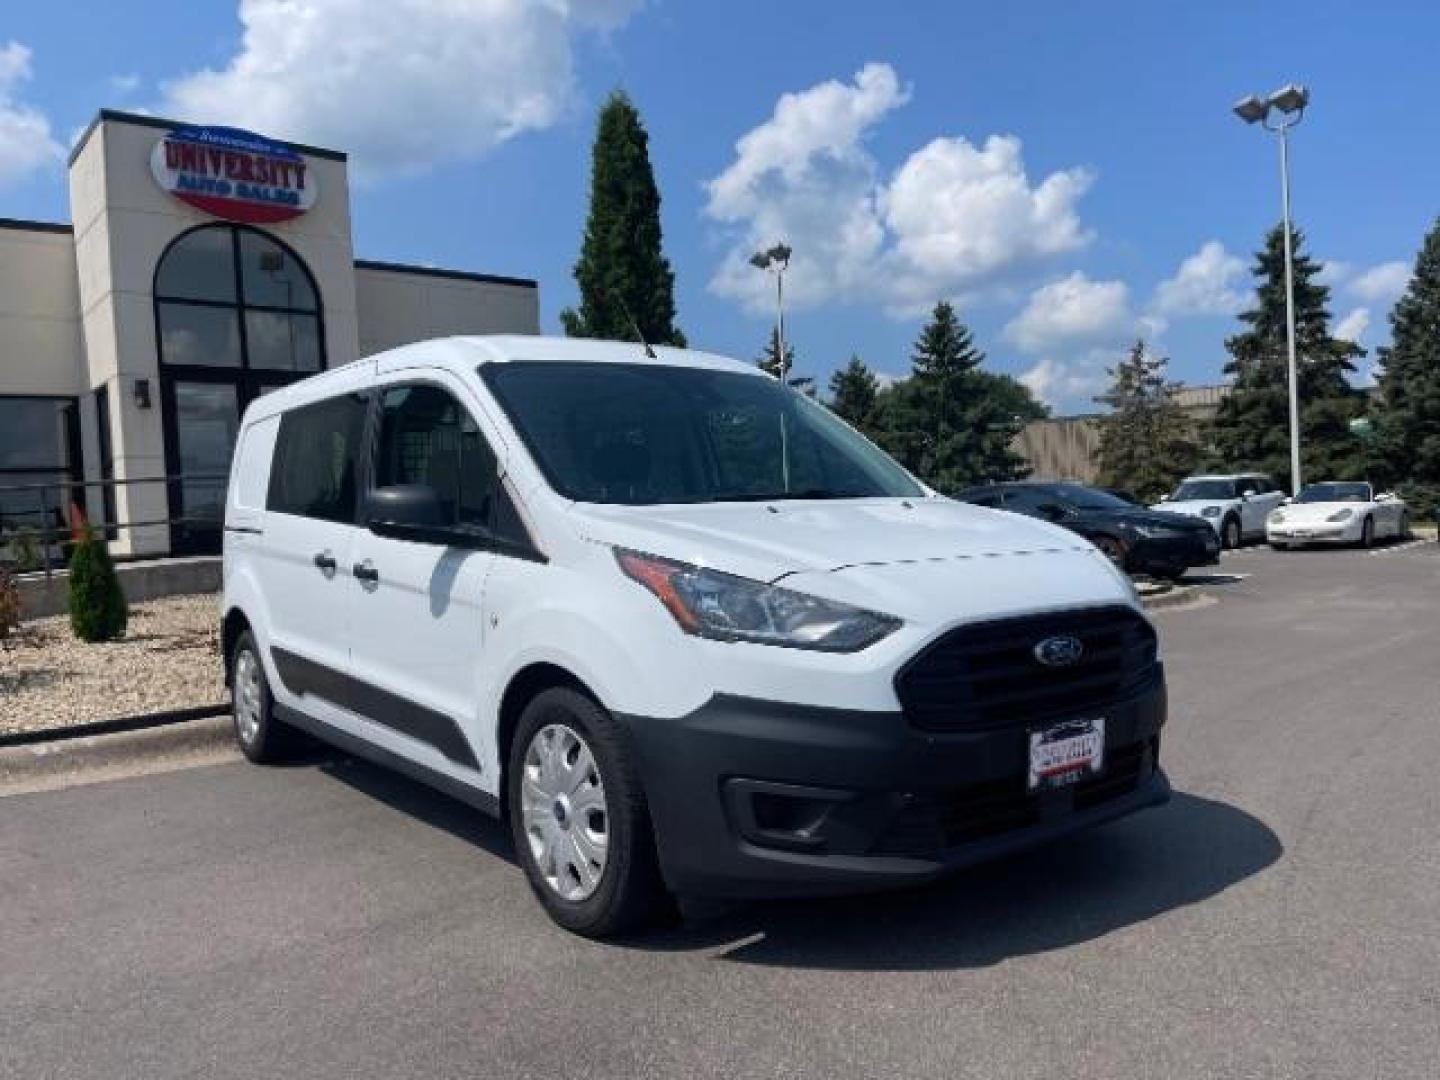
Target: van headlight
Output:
[
  {"x": 724, "y": 607},
  {"x": 1211, "y": 511},
  {"x": 1341, "y": 515},
  {"x": 1276, "y": 517}
]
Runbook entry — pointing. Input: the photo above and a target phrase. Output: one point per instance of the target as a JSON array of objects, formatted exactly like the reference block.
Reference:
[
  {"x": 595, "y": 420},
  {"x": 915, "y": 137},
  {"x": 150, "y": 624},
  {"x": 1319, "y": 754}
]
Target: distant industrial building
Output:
[{"x": 1066, "y": 447}]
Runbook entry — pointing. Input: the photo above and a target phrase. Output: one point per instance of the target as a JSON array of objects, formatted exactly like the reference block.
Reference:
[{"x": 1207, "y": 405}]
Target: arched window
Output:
[
  {"x": 232, "y": 297},
  {"x": 236, "y": 314}
]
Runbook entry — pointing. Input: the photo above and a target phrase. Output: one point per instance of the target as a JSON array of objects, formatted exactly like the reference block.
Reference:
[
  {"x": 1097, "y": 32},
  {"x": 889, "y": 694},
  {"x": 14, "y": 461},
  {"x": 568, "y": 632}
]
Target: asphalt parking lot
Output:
[{"x": 1280, "y": 918}]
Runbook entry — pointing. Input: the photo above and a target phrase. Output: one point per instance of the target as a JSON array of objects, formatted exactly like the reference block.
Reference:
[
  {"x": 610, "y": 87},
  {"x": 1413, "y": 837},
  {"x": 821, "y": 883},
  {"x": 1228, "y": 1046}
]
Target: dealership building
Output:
[{"x": 201, "y": 268}]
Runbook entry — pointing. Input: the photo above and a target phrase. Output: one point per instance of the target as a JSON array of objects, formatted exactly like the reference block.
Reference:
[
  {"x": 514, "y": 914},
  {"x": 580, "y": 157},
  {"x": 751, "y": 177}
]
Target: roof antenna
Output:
[{"x": 649, "y": 352}]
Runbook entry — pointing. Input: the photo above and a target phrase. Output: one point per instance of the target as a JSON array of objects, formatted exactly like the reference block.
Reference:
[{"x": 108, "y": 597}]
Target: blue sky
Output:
[{"x": 1070, "y": 174}]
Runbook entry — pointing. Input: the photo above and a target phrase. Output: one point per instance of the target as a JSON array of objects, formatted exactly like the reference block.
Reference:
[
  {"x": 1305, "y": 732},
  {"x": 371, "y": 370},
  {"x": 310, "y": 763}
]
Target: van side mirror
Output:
[{"x": 408, "y": 512}]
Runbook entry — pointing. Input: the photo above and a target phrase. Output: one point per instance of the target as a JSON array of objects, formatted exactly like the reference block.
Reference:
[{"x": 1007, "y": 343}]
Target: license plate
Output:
[{"x": 1065, "y": 753}]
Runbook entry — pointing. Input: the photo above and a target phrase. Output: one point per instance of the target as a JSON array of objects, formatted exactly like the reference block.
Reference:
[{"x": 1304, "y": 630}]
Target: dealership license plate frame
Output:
[{"x": 1065, "y": 753}]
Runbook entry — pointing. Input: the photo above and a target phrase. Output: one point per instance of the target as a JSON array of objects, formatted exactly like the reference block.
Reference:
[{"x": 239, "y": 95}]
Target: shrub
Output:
[
  {"x": 9, "y": 603},
  {"x": 98, "y": 611}
]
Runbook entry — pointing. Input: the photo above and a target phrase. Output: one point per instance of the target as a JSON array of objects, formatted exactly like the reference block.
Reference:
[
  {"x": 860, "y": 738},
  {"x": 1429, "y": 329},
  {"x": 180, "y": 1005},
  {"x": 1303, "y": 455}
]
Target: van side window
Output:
[
  {"x": 313, "y": 471},
  {"x": 428, "y": 437}
]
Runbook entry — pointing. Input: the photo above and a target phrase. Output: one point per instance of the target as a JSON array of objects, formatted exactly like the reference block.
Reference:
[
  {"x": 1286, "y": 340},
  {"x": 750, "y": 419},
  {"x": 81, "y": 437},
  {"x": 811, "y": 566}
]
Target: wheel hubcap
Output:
[
  {"x": 564, "y": 813},
  {"x": 247, "y": 697}
]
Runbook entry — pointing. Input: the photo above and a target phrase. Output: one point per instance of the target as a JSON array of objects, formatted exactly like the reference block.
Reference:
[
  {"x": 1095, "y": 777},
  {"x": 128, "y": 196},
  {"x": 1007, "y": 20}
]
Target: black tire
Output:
[
  {"x": 1367, "y": 533},
  {"x": 1231, "y": 537},
  {"x": 1276, "y": 545},
  {"x": 1403, "y": 533},
  {"x": 268, "y": 740},
  {"x": 630, "y": 893}
]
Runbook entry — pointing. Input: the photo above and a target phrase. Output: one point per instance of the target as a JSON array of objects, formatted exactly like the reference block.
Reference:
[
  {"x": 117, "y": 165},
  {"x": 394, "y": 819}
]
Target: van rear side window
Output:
[{"x": 313, "y": 473}]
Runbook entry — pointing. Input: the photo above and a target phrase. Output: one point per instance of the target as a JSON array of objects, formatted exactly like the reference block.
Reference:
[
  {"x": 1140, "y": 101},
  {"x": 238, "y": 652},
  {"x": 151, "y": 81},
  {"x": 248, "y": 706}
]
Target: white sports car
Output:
[{"x": 1338, "y": 513}]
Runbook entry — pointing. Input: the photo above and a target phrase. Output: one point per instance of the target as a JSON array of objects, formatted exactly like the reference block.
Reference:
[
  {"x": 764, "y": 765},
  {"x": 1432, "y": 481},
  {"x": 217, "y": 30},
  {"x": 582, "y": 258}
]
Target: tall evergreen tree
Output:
[
  {"x": 951, "y": 423},
  {"x": 769, "y": 360},
  {"x": 1147, "y": 442},
  {"x": 1407, "y": 422},
  {"x": 622, "y": 266},
  {"x": 1251, "y": 429},
  {"x": 853, "y": 392}
]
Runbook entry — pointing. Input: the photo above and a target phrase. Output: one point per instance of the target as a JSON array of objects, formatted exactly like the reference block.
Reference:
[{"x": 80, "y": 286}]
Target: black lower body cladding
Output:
[{"x": 754, "y": 798}]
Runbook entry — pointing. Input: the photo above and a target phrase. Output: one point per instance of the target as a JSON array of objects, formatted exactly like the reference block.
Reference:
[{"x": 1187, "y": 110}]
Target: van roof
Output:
[{"x": 463, "y": 355}]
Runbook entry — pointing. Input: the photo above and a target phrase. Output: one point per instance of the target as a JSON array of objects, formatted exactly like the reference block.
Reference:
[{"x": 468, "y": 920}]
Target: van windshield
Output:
[{"x": 640, "y": 434}]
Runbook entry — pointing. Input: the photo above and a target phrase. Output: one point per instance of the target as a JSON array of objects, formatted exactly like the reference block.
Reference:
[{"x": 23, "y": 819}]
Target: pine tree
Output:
[
  {"x": 622, "y": 266},
  {"x": 1407, "y": 421},
  {"x": 1252, "y": 428},
  {"x": 1147, "y": 442},
  {"x": 98, "y": 611},
  {"x": 853, "y": 392},
  {"x": 769, "y": 360},
  {"x": 951, "y": 423}
]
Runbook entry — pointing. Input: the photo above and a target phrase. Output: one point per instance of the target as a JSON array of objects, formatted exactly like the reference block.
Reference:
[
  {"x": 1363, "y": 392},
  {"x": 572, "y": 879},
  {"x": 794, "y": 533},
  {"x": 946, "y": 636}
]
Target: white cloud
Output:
[
  {"x": 952, "y": 219},
  {"x": 1381, "y": 284},
  {"x": 1068, "y": 386},
  {"x": 1072, "y": 311},
  {"x": 125, "y": 84},
  {"x": 1205, "y": 284},
  {"x": 26, "y": 143},
  {"x": 1353, "y": 326},
  {"x": 400, "y": 85}
]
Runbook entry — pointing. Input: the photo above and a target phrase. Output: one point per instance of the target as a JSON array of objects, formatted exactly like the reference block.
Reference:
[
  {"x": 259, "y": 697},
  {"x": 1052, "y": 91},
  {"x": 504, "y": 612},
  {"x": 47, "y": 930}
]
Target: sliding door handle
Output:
[
  {"x": 363, "y": 571},
  {"x": 325, "y": 561}
]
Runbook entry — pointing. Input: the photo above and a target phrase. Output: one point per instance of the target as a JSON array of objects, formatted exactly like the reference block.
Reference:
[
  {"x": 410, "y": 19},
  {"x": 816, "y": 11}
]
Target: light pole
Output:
[
  {"x": 777, "y": 259},
  {"x": 1290, "y": 102}
]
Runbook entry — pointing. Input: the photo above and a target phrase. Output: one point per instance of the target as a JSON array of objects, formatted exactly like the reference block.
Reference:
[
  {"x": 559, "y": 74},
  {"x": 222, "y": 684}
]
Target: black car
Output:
[{"x": 1139, "y": 540}]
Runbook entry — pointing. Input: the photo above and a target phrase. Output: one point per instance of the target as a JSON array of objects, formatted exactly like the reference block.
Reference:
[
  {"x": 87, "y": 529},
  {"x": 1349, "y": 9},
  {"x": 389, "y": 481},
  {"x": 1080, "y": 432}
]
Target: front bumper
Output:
[
  {"x": 1195, "y": 547},
  {"x": 757, "y": 798},
  {"x": 1329, "y": 533}
]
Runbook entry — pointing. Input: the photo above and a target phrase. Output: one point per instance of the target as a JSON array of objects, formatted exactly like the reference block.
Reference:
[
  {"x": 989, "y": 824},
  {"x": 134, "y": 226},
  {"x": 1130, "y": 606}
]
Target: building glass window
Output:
[
  {"x": 39, "y": 466},
  {"x": 237, "y": 314}
]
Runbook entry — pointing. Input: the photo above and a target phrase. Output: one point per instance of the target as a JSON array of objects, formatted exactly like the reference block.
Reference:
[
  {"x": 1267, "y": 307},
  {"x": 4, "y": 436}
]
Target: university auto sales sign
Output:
[{"x": 234, "y": 174}]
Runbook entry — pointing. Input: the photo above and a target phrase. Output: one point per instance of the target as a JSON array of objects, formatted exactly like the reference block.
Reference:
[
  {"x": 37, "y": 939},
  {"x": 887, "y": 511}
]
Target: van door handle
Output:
[
  {"x": 365, "y": 572},
  {"x": 324, "y": 561}
]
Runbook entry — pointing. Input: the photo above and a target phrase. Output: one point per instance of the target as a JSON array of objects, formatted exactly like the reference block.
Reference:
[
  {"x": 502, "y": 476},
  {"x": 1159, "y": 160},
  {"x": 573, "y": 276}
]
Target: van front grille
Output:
[{"x": 987, "y": 675}]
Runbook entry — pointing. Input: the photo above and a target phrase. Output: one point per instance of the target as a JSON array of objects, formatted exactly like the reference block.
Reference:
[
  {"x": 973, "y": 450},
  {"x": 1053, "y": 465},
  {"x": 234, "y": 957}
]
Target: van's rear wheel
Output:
[
  {"x": 261, "y": 736},
  {"x": 579, "y": 818}
]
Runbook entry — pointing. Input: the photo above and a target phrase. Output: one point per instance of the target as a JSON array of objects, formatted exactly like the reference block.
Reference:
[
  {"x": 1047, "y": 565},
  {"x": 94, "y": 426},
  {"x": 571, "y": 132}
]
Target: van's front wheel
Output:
[{"x": 578, "y": 814}]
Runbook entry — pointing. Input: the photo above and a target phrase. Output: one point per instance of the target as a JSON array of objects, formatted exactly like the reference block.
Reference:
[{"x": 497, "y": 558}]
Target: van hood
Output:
[{"x": 767, "y": 541}]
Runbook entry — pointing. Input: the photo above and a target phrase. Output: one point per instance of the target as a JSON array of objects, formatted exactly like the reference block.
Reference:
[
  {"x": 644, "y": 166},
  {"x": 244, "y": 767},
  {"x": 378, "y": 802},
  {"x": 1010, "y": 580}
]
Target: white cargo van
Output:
[{"x": 688, "y": 632}]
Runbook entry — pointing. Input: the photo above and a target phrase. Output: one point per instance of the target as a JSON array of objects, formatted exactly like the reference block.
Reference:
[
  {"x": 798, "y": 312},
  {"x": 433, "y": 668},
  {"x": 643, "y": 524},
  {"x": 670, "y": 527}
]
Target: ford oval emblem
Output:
[{"x": 1061, "y": 651}]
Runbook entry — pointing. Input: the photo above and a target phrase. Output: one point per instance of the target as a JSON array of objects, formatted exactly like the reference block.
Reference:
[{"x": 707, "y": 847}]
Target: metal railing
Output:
[{"x": 61, "y": 520}]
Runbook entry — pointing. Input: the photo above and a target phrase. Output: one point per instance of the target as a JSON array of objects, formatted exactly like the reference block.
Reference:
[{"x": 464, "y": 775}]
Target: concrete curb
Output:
[
  {"x": 91, "y": 758},
  {"x": 112, "y": 727}
]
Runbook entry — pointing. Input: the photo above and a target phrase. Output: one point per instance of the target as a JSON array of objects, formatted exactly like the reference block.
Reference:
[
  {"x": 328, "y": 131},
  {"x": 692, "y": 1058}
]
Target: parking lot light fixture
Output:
[
  {"x": 1290, "y": 102},
  {"x": 777, "y": 258}
]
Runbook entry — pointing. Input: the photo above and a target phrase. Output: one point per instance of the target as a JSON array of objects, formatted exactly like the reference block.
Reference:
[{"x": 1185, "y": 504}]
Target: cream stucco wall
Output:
[
  {"x": 399, "y": 306},
  {"x": 40, "y": 347}
]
